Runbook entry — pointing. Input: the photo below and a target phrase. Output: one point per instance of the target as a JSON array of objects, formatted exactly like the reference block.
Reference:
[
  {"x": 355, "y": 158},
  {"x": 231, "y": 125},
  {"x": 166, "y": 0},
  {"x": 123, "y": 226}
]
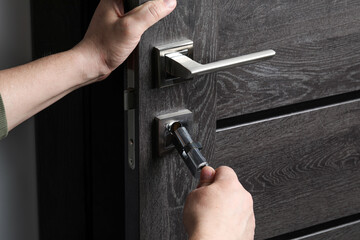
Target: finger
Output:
[
  {"x": 149, "y": 13},
  {"x": 224, "y": 173},
  {"x": 206, "y": 177}
]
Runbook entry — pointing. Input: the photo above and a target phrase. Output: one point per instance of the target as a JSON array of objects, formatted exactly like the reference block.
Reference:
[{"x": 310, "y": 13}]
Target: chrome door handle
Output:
[
  {"x": 179, "y": 65},
  {"x": 175, "y": 64}
]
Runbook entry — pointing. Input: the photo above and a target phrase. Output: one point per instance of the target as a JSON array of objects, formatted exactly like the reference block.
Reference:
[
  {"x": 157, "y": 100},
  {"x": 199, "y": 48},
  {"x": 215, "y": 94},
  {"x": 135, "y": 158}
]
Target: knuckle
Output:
[
  {"x": 233, "y": 184},
  {"x": 154, "y": 9},
  {"x": 127, "y": 29},
  {"x": 226, "y": 171},
  {"x": 236, "y": 184},
  {"x": 253, "y": 221},
  {"x": 248, "y": 200},
  {"x": 125, "y": 24}
]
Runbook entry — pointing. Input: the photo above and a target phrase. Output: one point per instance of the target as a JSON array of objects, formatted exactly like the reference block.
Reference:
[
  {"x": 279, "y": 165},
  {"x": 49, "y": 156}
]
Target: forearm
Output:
[
  {"x": 30, "y": 88},
  {"x": 111, "y": 37}
]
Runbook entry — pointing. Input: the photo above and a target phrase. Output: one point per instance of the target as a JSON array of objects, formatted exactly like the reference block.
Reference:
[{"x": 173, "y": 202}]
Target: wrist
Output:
[
  {"x": 198, "y": 235},
  {"x": 92, "y": 65}
]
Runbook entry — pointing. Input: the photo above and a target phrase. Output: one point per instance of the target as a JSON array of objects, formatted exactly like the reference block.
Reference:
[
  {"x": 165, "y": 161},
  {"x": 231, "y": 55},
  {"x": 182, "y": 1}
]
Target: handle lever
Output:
[
  {"x": 174, "y": 63},
  {"x": 179, "y": 65}
]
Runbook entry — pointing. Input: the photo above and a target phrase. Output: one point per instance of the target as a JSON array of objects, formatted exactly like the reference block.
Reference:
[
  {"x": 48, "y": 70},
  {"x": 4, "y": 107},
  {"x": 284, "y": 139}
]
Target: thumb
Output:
[
  {"x": 206, "y": 177},
  {"x": 150, "y": 13}
]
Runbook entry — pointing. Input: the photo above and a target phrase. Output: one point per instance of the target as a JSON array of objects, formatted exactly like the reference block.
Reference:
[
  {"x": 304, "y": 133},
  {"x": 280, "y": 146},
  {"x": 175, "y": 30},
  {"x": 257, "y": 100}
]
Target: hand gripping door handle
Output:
[{"x": 175, "y": 63}]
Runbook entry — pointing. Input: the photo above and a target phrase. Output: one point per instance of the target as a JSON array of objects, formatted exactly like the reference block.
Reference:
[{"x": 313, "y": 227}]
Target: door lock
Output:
[
  {"x": 187, "y": 148},
  {"x": 173, "y": 133}
]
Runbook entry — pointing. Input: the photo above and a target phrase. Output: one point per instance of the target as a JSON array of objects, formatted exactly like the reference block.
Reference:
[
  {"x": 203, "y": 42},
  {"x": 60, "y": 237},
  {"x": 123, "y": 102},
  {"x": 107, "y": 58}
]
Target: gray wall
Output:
[{"x": 18, "y": 203}]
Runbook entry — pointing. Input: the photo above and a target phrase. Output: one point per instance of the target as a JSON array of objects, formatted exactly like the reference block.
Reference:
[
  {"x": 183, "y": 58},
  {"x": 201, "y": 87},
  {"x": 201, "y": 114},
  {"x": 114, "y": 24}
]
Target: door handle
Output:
[
  {"x": 180, "y": 65},
  {"x": 174, "y": 63}
]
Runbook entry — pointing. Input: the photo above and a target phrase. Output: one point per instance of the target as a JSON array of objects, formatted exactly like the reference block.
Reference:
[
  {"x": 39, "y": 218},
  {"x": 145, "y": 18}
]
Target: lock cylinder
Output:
[{"x": 187, "y": 148}]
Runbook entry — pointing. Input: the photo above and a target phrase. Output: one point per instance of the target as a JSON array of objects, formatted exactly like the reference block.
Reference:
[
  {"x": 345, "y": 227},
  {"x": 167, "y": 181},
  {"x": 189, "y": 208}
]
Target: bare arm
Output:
[
  {"x": 32, "y": 87},
  {"x": 111, "y": 37}
]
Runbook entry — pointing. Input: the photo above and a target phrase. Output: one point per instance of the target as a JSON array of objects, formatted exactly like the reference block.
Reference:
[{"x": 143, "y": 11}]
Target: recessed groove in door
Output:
[
  {"x": 227, "y": 123},
  {"x": 320, "y": 228}
]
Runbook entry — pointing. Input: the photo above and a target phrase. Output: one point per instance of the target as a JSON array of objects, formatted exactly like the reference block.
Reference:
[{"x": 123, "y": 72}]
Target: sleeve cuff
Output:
[{"x": 3, "y": 122}]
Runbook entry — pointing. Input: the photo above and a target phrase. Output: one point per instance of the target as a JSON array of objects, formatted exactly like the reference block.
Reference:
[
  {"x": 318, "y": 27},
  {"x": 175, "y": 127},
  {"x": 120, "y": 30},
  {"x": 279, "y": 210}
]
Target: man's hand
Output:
[
  {"x": 111, "y": 37},
  {"x": 220, "y": 208},
  {"x": 113, "y": 34}
]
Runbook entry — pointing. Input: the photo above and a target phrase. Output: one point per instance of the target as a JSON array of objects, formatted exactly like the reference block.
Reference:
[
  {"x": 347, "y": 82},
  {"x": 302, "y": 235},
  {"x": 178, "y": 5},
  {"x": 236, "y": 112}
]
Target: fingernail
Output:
[
  {"x": 170, "y": 3},
  {"x": 207, "y": 173}
]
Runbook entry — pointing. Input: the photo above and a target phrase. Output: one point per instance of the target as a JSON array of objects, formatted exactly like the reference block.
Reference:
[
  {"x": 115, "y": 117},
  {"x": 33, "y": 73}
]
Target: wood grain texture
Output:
[
  {"x": 302, "y": 169},
  {"x": 346, "y": 232},
  {"x": 165, "y": 182},
  {"x": 317, "y": 45}
]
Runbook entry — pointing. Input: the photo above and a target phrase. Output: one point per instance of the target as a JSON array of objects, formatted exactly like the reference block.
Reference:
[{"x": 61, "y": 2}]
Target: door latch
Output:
[{"x": 173, "y": 133}]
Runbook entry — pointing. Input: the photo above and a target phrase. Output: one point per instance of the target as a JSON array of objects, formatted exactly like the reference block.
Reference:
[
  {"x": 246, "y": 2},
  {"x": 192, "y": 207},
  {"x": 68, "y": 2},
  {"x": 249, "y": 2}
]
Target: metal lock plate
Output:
[
  {"x": 164, "y": 137},
  {"x": 162, "y": 78}
]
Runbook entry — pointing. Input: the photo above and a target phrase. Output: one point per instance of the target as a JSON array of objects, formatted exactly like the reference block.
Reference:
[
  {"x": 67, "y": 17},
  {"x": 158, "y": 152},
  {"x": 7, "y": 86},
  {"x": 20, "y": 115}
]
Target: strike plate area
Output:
[
  {"x": 164, "y": 138},
  {"x": 162, "y": 78}
]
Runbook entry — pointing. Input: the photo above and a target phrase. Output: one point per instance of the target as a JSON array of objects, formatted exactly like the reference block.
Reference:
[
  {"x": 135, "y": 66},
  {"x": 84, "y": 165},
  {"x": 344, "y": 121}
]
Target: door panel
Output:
[
  {"x": 317, "y": 45},
  {"x": 165, "y": 182},
  {"x": 306, "y": 161},
  {"x": 302, "y": 169}
]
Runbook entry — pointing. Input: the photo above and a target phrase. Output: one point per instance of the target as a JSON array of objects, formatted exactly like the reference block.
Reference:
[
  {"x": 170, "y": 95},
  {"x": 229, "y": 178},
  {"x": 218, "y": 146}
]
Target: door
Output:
[{"x": 289, "y": 126}]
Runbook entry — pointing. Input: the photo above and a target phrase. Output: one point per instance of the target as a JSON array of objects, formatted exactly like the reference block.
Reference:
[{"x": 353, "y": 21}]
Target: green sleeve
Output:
[{"x": 3, "y": 122}]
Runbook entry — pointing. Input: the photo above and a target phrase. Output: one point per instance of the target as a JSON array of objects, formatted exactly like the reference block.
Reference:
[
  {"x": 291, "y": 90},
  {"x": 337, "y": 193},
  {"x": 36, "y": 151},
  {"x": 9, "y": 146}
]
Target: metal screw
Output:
[{"x": 132, "y": 163}]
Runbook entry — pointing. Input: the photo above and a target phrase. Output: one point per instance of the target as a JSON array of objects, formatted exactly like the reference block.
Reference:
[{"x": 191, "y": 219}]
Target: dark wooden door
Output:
[{"x": 289, "y": 126}]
